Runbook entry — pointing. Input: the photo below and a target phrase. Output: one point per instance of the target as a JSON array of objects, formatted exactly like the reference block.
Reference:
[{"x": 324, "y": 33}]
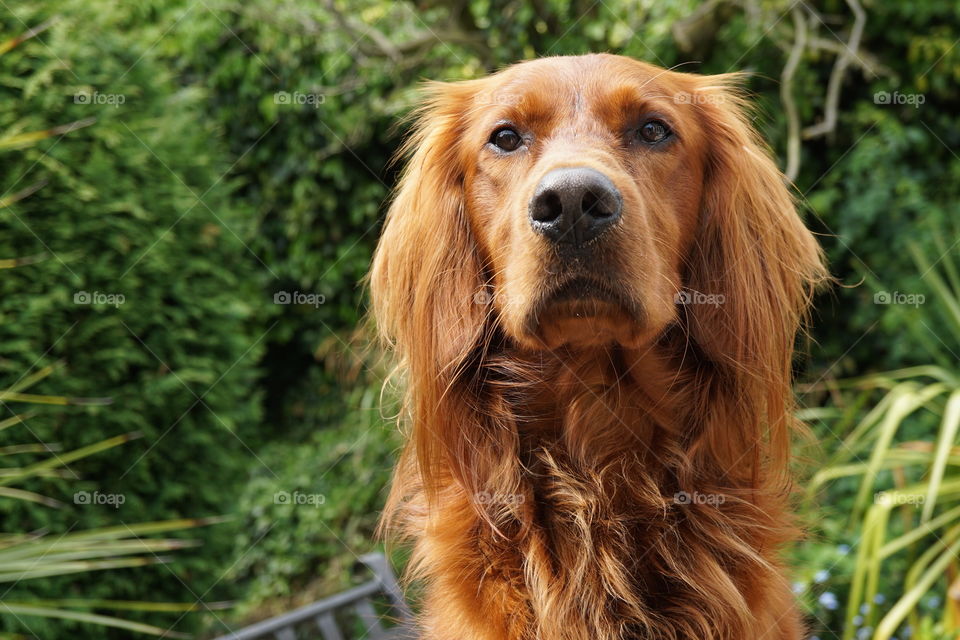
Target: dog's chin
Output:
[{"x": 587, "y": 323}]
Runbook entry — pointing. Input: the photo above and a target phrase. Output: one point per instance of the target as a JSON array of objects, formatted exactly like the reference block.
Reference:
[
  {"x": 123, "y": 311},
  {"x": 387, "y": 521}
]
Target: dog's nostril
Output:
[
  {"x": 592, "y": 205},
  {"x": 547, "y": 207}
]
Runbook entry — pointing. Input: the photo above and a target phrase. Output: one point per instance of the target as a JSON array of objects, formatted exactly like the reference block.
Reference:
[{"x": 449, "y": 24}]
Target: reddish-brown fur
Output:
[{"x": 548, "y": 440}]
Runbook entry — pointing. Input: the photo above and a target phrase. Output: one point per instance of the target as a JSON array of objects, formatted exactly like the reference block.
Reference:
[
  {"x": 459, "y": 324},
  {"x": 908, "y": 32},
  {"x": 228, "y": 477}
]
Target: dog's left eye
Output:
[
  {"x": 506, "y": 139},
  {"x": 653, "y": 131}
]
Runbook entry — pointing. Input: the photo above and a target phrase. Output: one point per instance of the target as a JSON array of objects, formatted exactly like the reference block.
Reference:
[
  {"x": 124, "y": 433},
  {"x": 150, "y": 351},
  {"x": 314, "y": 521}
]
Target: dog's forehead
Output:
[
  {"x": 588, "y": 75},
  {"x": 572, "y": 84}
]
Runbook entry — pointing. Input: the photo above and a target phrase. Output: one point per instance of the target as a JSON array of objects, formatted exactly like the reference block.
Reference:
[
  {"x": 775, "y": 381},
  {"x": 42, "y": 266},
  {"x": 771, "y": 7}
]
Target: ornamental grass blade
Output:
[
  {"x": 915, "y": 535},
  {"x": 66, "y": 568},
  {"x": 14, "y": 420},
  {"x": 19, "y": 140},
  {"x": 28, "y": 554},
  {"x": 861, "y": 567},
  {"x": 852, "y": 442},
  {"x": 947, "y": 258},
  {"x": 897, "y": 457},
  {"x": 30, "y": 496},
  {"x": 948, "y": 434},
  {"x": 66, "y": 458},
  {"x": 945, "y": 295},
  {"x": 17, "y": 196},
  {"x": 93, "y": 618},
  {"x": 33, "y": 398},
  {"x": 29, "y": 380},
  {"x": 26, "y": 35},
  {"x": 908, "y": 401},
  {"x": 908, "y": 601},
  {"x": 130, "y": 605},
  {"x": 145, "y": 528}
]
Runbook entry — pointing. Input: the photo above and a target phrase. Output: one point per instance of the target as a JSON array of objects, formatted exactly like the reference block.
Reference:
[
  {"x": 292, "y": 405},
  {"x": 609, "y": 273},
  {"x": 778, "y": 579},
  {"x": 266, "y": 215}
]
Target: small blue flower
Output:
[
  {"x": 857, "y": 621},
  {"x": 879, "y": 598},
  {"x": 933, "y": 602},
  {"x": 821, "y": 576},
  {"x": 829, "y": 601},
  {"x": 864, "y": 608},
  {"x": 844, "y": 549},
  {"x": 865, "y": 633},
  {"x": 799, "y": 588}
]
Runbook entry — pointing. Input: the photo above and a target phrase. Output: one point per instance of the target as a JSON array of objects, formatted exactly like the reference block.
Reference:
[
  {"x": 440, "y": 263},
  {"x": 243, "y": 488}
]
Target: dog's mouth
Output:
[
  {"x": 584, "y": 311},
  {"x": 583, "y": 292}
]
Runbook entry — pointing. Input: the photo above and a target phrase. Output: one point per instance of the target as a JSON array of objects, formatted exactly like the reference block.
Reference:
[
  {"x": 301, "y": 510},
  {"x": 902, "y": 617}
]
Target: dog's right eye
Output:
[{"x": 506, "y": 139}]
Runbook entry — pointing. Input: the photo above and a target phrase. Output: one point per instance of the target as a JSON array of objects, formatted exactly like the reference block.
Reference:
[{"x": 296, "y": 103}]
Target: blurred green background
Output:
[{"x": 190, "y": 194}]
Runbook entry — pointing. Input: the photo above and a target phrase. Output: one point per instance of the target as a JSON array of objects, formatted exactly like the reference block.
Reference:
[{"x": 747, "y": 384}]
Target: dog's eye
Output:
[
  {"x": 506, "y": 139},
  {"x": 653, "y": 131}
]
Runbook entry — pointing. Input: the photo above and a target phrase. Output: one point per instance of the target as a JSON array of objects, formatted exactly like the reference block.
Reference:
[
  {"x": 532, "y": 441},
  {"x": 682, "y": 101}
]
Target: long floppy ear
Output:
[
  {"x": 758, "y": 261},
  {"x": 425, "y": 283}
]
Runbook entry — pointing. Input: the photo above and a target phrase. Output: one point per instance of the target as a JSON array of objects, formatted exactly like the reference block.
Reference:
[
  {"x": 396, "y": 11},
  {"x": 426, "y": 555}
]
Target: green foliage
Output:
[
  {"x": 304, "y": 526},
  {"x": 38, "y": 555},
  {"x": 146, "y": 292},
  {"x": 907, "y": 504}
]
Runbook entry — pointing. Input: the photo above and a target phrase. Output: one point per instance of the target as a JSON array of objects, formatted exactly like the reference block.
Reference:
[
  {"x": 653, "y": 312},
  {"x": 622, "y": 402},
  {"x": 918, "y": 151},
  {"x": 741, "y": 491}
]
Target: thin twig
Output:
[
  {"x": 786, "y": 93},
  {"x": 829, "y": 122}
]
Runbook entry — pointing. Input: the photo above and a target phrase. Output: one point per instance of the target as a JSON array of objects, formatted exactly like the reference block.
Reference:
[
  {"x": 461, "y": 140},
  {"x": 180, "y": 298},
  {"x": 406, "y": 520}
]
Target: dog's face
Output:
[
  {"x": 587, "y": 201},
  {"x": 583, "y": 193}
]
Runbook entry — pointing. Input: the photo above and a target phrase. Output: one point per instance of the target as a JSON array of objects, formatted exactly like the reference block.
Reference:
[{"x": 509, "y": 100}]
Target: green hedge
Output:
[{"x": 119, "y": 216}]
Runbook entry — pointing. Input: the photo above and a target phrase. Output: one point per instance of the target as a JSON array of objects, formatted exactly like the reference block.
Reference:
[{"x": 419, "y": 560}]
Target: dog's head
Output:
[{"x": 591, "y": 200}]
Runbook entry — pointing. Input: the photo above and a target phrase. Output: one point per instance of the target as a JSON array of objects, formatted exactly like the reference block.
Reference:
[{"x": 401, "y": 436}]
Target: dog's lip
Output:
[
  {"x": 583, "y": 289},
  {"x": 580, "y": 297}
]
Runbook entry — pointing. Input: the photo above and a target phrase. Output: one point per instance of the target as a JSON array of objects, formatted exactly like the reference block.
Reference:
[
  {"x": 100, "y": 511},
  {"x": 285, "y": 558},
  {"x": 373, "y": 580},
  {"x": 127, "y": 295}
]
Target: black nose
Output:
[{"x": 574, "y": 205}]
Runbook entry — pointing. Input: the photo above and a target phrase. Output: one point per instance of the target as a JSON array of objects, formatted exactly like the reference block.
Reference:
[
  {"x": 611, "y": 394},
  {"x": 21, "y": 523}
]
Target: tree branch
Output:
[
  {"x": 792, "y": 169},
  {"x": 829, "y": 122}
]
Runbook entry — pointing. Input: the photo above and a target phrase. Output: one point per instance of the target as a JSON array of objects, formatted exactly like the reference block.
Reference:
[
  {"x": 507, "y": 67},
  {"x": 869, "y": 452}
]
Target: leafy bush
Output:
[
  {"x": 302, "y": 529},
  {"x": 903, "y": 456},
  {"x": 41, "y": 554},
  {"x": 147, "y": 293}
]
